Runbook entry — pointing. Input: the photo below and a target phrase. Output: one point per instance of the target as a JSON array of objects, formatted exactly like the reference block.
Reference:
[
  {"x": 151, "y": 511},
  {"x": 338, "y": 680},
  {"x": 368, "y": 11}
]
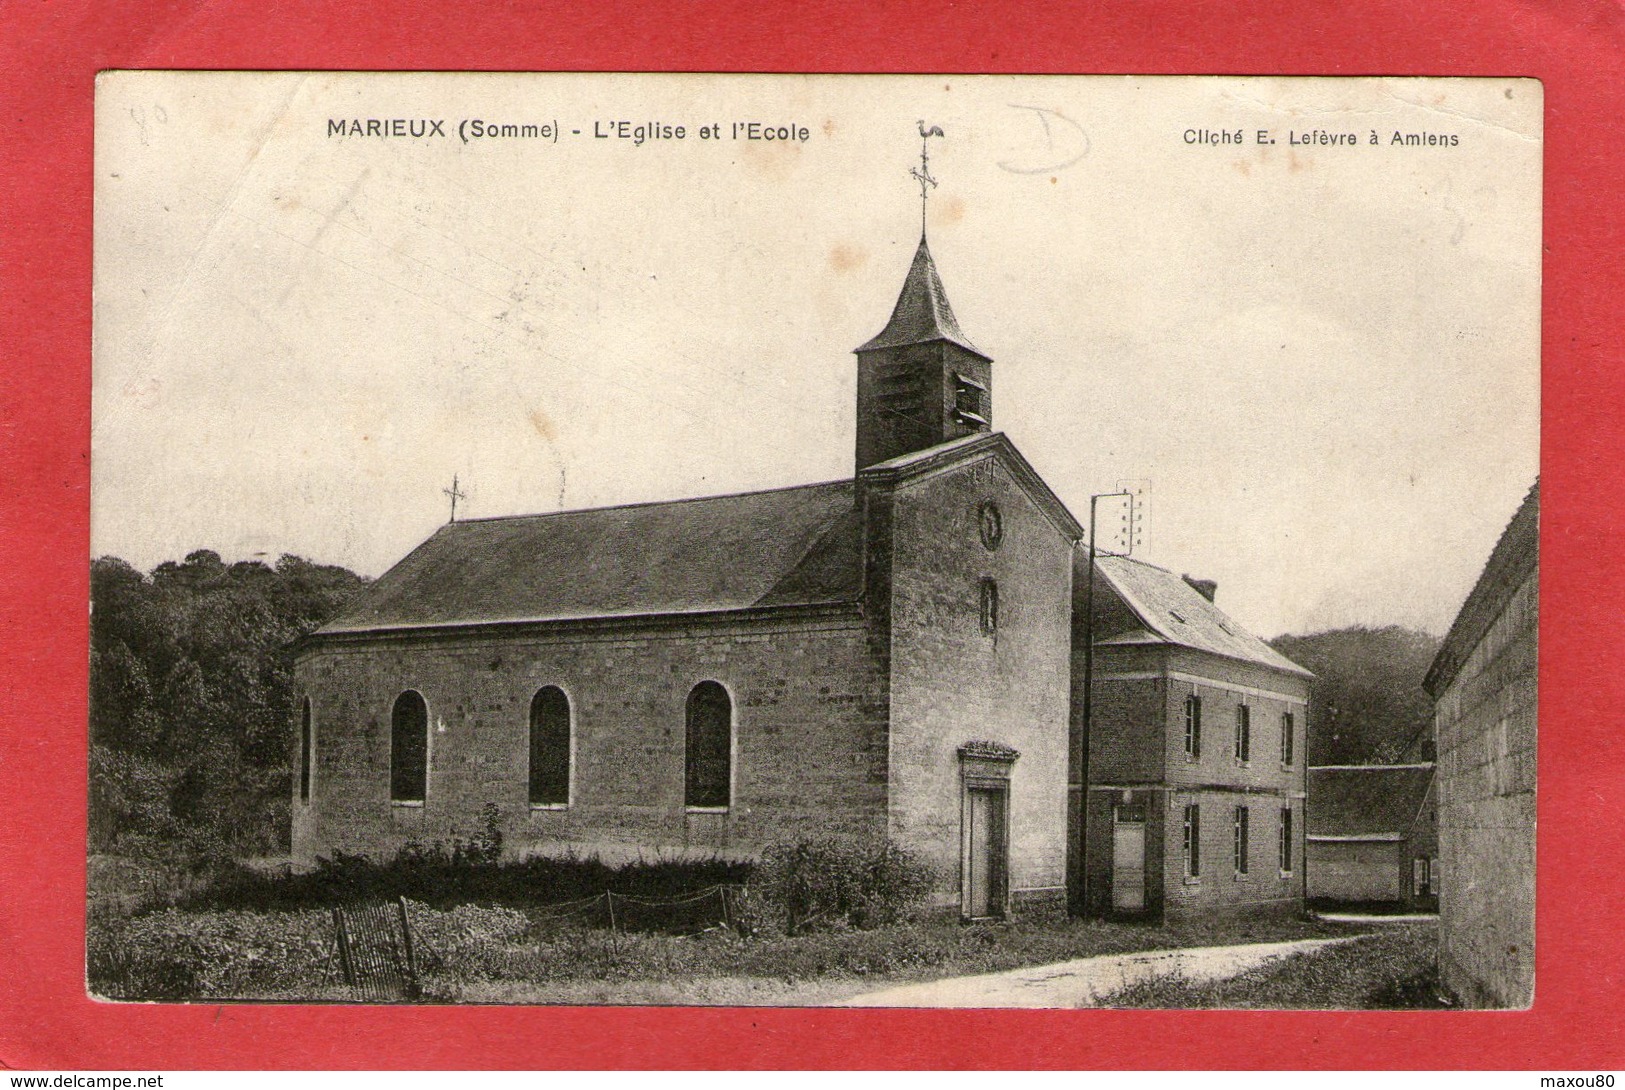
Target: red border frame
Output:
[{"x": 49, "y": 54}]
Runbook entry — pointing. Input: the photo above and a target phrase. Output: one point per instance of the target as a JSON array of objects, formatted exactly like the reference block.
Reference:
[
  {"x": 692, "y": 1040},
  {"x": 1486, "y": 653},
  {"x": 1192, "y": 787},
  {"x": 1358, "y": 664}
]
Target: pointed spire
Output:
[{"x": 922, "y": 313}]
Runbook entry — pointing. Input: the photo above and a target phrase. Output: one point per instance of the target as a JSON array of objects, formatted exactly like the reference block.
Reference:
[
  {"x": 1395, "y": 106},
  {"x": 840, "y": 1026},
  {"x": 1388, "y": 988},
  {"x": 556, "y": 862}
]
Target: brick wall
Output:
[
  {"x": 809, "y": 738},
  {"x": 1138, "y": 742},
  {"x": 952, "y": 683},
  {"x": 1485, "y": 731},
  {"x": 1219, "y": 889}
]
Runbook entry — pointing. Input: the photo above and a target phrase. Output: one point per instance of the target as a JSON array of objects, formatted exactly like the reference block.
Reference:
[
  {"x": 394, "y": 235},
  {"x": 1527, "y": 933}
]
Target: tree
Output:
[
  {"x": 191, "y": 699},
  {"x": 1367, "y": 705}
]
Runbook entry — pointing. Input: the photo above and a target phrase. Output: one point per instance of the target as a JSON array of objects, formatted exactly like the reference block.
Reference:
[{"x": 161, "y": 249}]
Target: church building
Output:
[
  {"x": 897, "y": 656},
  {"x": 883, "y": 657}
]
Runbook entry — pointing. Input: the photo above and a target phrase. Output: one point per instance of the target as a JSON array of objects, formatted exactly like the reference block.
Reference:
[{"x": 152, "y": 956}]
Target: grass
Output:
[
  {"x": 722, "y": 968},
  {"x": 510, "y": 955},
  {"x": 1388, "y": 970},
  {"x": 486, "y": 935}
]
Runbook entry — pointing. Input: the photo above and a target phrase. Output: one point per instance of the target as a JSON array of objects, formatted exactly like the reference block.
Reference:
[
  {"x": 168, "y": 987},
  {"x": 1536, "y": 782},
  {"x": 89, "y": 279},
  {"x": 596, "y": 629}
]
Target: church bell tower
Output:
[{"x": 920, "y": 380}]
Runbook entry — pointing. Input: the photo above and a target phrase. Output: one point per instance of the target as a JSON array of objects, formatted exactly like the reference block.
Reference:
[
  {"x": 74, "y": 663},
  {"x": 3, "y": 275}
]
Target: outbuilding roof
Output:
[
  {"x": 1365, "y": 802},
  {"x": 783, "y": 547},
  {"x": 1165, "y": 609}
]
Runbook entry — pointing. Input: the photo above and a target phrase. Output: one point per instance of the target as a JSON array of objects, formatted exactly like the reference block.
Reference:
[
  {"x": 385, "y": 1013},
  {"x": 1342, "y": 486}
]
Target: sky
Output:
[{"x": 1323, "y": 358}]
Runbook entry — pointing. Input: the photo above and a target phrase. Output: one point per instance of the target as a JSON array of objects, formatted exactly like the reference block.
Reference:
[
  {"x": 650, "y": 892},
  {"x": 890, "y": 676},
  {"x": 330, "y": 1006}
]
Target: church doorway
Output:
[
  {"x": 986, "y": 880},
  {"x": 1128, "y": 857}
]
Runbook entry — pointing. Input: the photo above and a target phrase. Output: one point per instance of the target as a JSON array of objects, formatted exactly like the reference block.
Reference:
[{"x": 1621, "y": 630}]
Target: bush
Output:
[
  {"x": 444, "y": 875},
  {"x": 471, "y": 941},
  {"x": 808, "y": 884},
  {"x": 189, "y": 955}
]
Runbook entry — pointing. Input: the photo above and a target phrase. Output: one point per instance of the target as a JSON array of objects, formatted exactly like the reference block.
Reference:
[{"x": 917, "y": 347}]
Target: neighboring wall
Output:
[
  {"x": 1486, "y": 794},
  {"x": 951, "y": 683},
  {"x": 809, "y": 735},
  {"x": 1359, "y": 870}
]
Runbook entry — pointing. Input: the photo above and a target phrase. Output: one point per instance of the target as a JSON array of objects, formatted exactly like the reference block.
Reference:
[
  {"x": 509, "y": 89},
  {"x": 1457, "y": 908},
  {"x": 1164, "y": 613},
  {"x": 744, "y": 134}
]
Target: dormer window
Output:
[{"x": 970, "y": 401}]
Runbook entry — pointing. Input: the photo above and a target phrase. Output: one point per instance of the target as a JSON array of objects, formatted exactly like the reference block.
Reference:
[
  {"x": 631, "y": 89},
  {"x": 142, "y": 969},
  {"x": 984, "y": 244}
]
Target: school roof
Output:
[
  {"x": 1165, "y": 609},
  {"x": 1365, "y": 802},
  {"x": 1515, "y": 556},
  {"x": 784, "y": 547}
]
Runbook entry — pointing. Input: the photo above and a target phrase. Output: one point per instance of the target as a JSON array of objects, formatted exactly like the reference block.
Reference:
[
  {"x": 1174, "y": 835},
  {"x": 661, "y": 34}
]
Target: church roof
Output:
[
  {"x": 1168, "y": 610},
  {"x": 922, "y": 313},
  {"x": 977, "y": 445},
  {"x": 787, "y": 546},
  {"x": 1365, "y": 802}
]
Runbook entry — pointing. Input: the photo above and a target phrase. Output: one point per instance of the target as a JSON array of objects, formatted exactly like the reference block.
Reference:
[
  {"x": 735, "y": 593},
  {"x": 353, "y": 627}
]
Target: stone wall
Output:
[
  {"x": 809, "y": 752},
  {"x": 951, "y": 682},
  {"x": 1485, "y": 730}
]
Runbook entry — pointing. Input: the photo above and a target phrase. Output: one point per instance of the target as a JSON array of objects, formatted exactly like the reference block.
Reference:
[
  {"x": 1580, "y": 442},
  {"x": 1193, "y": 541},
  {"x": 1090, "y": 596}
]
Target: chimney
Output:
[{"x": 1207, "y": 588}]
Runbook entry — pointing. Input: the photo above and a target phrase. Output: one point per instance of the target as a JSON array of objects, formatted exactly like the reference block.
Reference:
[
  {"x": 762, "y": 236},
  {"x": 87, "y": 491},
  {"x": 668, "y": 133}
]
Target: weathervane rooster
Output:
[{"x": 922, "y": 173}]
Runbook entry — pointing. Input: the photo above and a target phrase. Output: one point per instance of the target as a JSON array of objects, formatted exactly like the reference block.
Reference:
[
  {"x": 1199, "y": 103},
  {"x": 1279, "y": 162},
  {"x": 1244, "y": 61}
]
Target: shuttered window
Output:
[
  {"x": 1286, "y": 840},
  {"x": 1240, "y": 823},
  {"x": 1193, "y": 840}
]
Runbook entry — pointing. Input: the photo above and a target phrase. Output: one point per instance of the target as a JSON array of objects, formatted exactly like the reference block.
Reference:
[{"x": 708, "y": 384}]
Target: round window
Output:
[{"x": 992, "y": 525}]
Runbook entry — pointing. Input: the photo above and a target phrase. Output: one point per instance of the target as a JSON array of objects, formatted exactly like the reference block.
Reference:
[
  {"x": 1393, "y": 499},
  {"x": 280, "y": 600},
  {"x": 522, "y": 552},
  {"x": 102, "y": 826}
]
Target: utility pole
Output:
[{"x": 1082, "y": 877}]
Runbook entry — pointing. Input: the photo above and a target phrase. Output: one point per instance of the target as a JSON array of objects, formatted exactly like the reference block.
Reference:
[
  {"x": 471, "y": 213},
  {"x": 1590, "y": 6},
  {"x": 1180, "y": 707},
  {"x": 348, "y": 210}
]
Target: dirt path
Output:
[{"x": 1084, "y": 982}]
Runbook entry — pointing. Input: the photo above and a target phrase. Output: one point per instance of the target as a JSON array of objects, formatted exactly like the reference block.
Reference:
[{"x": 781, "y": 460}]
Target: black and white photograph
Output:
[{"x": 776, "y": 540}]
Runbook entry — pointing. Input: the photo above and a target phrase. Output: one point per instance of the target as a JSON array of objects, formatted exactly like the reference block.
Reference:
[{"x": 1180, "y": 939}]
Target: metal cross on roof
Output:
[
  {"x": 922, "y": 173},
  {"x": 456, "y": 494}
]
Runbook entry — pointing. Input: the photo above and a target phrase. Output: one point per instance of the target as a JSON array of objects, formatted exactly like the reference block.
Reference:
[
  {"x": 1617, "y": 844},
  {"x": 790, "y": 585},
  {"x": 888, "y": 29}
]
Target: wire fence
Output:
[
  {"x": 689, "y": 914},
  {"x": 375, "y": 951}
]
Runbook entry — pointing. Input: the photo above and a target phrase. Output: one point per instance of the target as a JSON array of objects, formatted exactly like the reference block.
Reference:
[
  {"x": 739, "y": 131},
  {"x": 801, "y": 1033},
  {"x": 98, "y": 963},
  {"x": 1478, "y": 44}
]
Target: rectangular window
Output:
[
  {"x": 1241, "y": 839},
  {"x": 1193, "y": 840},
  {"x": 990, "y": 607},
  {"x": 1420, "y": 876},
  {"x": 1193, "y": 727},
  {"x": 1286, "y": 738},
  {"x": 1244, "y": 734},
  {"x": 1286, "y": 840}
]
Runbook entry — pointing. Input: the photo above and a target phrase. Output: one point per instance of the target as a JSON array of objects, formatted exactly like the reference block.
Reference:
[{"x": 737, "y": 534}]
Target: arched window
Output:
[
  {"x": 708, "y": 742},
  {"x": 550, "y": 747},
  {"x": 408, "y": 748},
  {"x": 307, "y": 754}
]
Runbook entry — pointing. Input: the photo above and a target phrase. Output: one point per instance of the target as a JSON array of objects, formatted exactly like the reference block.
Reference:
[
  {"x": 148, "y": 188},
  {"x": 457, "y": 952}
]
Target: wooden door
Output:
[
  {"x": 985, "y": 873},
  {"x": 1128, "y": 860}
]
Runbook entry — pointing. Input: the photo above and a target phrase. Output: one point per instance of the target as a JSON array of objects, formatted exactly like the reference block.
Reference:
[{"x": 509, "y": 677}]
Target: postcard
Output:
[{"x": 775, "y": 540}]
